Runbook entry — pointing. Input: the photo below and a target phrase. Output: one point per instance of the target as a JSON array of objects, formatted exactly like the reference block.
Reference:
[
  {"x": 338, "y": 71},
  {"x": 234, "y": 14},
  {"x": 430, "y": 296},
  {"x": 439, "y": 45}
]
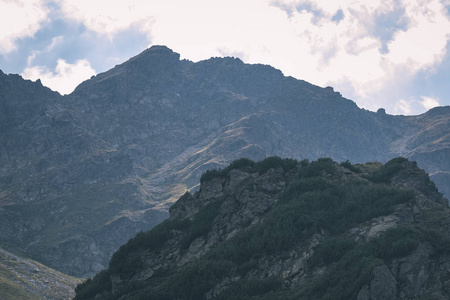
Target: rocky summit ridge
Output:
[
  {"x": 283, "y": 229},
  {"x": 80, "y": 174}
]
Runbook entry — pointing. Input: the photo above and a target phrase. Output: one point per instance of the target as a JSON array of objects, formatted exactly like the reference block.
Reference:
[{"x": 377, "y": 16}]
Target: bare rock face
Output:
[
  {"x": 410, "y": 277},
  {"x": 105, "y": 162},
  {"x": 383, "y": 285}
]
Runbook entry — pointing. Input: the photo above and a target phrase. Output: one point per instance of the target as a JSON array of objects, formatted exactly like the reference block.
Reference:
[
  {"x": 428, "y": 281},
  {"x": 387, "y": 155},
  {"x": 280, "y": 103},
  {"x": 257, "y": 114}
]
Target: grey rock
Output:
[
  {"x": 383, "y": 285},
  {"x": 364, "y": 293},
  {"x": 413, "y": 271}
]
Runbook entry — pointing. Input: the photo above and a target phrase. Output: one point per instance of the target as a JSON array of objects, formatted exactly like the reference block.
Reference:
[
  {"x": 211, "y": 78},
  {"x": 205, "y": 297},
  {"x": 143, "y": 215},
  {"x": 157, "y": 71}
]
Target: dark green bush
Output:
[
  {"x": 307, "y": 206},
  {"x": 322, "y": 166},
  {"x": 250, "y": 288},
  {"x": 385, "y": 173},
  {"x": 202, "y": 222},
  {"x": 247, "y": 165},
  {"x": 440, "y": 241},
  {"x": 91, "y": 287},
  {"x": 331, "y": 250},
  {"x": 241, "y": 164},
  {"x": 244, "y": 164},
  {"x": 126, "y": 260},
  {"x": 275, "y": 162},
  {"x": 346, "y": 164},
  {"x": 210, "y": 174},
  {"x": 300, "y": 186},
  {"x": 345, "y": 277}
]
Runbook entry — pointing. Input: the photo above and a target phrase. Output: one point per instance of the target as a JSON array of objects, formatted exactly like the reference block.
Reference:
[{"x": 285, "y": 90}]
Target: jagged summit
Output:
[
  {"x": 160, "y": 49},
  {"x": 152, "y": 62},
  {"x": 155, "y": 53}
]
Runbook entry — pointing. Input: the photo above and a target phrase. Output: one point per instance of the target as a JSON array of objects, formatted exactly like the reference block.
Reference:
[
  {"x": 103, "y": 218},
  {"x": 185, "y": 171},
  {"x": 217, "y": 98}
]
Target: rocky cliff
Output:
[
  {"x": 282, "y": 229},
  {"x": 83, "y": 173}
]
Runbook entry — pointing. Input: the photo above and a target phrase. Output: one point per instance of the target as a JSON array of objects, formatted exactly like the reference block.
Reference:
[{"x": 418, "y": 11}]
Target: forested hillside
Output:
[{"x": 283, "y": 229}]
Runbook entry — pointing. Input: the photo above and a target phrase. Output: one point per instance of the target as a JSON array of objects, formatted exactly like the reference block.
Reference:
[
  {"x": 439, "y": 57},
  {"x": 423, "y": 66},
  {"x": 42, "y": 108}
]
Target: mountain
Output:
[
  {"x": 28, "y": 280},
  {"x": 83, "y": 173},
  {"x": 67, "y": 198},
  {"x": 283, "y": 229}
]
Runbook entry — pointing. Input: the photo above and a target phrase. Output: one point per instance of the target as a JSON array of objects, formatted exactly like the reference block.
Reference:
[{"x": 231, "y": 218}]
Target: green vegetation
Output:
[
  {"x": 10, "y": 289},
  {"x": 385, "y": 173},
  {"x": 307, "y": 206},
  {"x": 126, "y": 260},
  {"x": 91, "y": 287},
  {"x": 320, "y": 167},
  {"x": 350, "y": 264},
  {"x": 251, "y": 288},
  {"x": 202, "y": 222},
  {"x": 346, "y": 164},
  {"x": 331, "y": 250},
  {"x": 316, "y": 200},
  {"x": 248, "y": 165}
]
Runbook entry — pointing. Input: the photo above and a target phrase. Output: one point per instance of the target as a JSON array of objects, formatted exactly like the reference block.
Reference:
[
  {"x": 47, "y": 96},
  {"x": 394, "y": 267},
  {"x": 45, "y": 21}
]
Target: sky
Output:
[{"x": 392, "y": 54}]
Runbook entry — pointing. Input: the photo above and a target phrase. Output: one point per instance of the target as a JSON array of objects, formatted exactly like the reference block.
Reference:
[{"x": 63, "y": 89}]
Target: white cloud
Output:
[
  {"x": 414, "y": 105},
  {"x": 423, "y": 44},
  {"x": 64, "y": 78},
  {"x": 304, "y": 43},
  {"x": 403, "y": 107},
  {"x": 19, "y": 19},
  {"x": 57, "y": 40},
  {"x": 109, "y": 17},
  {"x": 428, "y": 102}
]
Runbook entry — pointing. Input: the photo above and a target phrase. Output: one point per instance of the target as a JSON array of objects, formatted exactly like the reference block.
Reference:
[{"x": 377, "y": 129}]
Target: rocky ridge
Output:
[
  {"x": 280, "y": 229},
  {"x": 83, "y": 173}
]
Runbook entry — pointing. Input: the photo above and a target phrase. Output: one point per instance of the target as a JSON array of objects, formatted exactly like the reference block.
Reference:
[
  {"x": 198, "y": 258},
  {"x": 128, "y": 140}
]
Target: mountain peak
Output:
[
  {"x": 158, "y": 51},
  {"x": 160, "y": 48}
]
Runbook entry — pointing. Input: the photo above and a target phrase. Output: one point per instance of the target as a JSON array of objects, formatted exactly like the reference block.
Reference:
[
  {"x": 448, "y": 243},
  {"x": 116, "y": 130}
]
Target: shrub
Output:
[
  {"x": 318, "y": 168},
  {"x": 248, "y": 165},
  {"x": 346, "y": 164},
  {"x": 91, "y": 287},
  {"x": 241, "y": 164},
  {"x": 202, "y": 222},
  {"x": 352, "y": 267},
  {"x": 275, "y": 162},
  {"x": 126, "y": 260},
  {"x": 210, "y": 174},
  {"x": 385, "y": 173},
  {"x": 331, "y": 250}
]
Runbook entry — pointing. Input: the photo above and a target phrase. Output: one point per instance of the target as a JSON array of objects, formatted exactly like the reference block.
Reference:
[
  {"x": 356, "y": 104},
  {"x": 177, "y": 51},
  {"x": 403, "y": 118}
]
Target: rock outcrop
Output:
[{"x": 281, "y": 229}]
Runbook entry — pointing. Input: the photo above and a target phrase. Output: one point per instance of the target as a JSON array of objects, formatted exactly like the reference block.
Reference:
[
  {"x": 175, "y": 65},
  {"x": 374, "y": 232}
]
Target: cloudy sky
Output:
[{"x": 379, "y": 53}]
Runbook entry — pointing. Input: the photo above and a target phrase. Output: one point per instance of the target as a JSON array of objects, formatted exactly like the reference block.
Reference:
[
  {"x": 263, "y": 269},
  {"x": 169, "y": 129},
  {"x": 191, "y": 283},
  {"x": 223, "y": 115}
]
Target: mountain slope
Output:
[
  {"x": 430, "y": 145},
  {"x": 282, "y": 229},
  {"x": 26, "y": 279},
  {"x": 64, "y": 192},
  {"x": 83, "y": 173}
]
